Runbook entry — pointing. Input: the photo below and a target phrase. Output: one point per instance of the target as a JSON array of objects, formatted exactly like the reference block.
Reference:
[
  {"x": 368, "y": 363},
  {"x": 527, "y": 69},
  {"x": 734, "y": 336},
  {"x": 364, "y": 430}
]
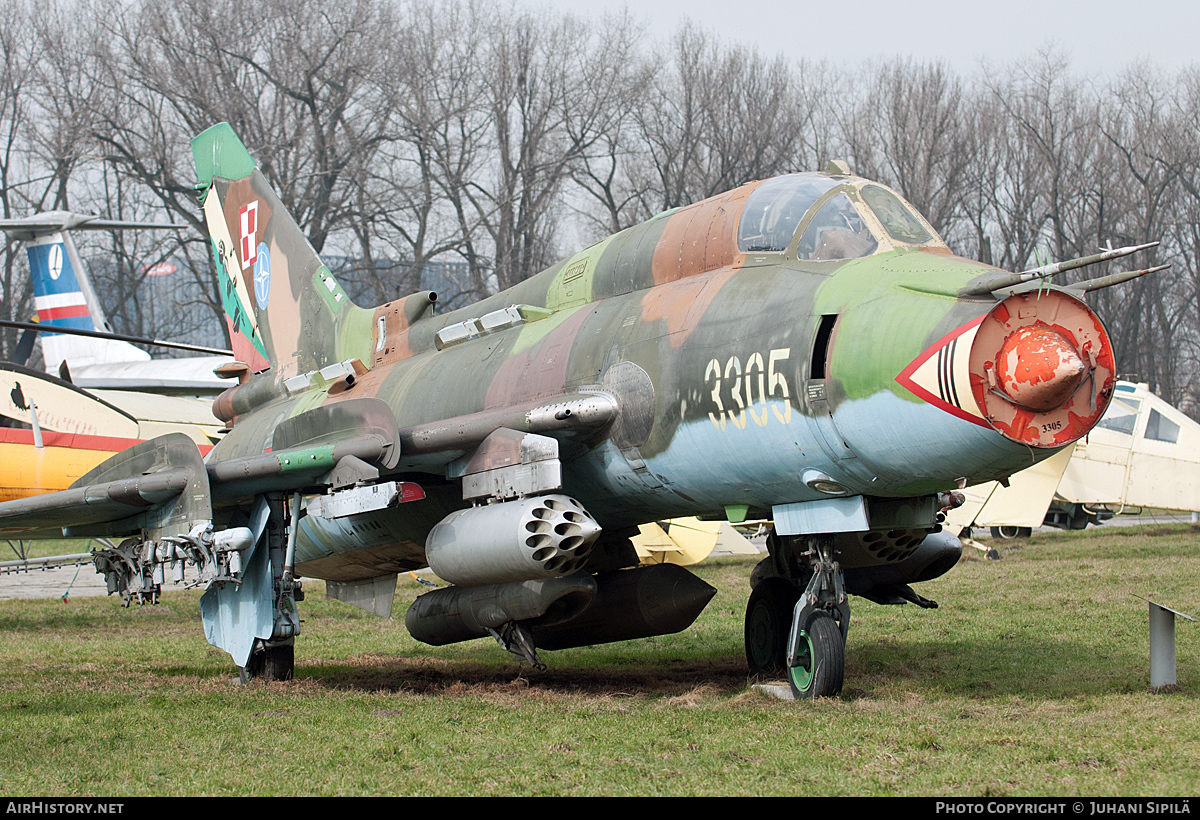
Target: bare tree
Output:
[
  {"x": 20, "y": 51},
  {"x": 1049, "y": 108},
  {"x": 533, "y": 82},
  {"x": 1183, "y": 150},
  {"x": 1003, "y": 189},
  {"x": 610, "y": 165},
  {"x": 911, "y": 128},
  {"x": 719, "y": 116}
]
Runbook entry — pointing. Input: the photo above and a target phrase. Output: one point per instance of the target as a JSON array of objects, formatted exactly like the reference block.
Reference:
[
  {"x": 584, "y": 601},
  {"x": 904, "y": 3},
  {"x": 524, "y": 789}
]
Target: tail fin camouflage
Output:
[{"x": 285, "y": 309}]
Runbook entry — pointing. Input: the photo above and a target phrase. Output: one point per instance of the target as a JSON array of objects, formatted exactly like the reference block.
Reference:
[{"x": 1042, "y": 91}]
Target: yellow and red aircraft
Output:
[{"x": 52, "y": 432}]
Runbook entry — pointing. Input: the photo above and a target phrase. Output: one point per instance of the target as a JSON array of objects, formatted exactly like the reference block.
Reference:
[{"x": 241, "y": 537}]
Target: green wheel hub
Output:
[{"x": 802, "y": 673}]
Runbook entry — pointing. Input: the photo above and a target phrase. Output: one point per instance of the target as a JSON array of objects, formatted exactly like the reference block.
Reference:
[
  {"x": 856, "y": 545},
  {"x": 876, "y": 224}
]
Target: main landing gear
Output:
[
  {"x": 270, "y": 663},
  {"x": 799, "y": 635},
  {"x": 1008, "y": 533}
]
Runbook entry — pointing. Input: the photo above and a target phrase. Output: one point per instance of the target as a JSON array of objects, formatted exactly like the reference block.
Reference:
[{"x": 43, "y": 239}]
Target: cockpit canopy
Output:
[{"x": 826, "y": 218}]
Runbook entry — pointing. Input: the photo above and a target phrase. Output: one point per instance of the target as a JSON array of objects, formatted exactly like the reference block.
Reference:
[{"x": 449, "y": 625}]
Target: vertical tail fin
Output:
[
  {"x": 284, "y": 307},
  {"x": 64, "y": 298}
]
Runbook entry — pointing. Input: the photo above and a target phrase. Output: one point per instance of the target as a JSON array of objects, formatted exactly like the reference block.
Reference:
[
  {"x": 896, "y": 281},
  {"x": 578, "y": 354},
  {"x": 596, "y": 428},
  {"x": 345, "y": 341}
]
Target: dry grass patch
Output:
[{"x": 1032, "y": 678}]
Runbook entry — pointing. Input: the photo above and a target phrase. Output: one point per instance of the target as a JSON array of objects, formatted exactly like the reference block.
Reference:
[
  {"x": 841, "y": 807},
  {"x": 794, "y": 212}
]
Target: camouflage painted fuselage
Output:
[{"x": 731, "y": 385}]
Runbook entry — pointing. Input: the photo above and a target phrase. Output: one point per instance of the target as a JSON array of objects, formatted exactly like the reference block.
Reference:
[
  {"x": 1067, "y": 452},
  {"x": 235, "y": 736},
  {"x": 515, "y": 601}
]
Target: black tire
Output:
[
  {"x": 1008, "y": 533},
  {"x": 1079, "y": 519},
  {"x": 768, "y": 621},
  {"x": 273, "y": 663},
  {"x": 821, "y": 665}
]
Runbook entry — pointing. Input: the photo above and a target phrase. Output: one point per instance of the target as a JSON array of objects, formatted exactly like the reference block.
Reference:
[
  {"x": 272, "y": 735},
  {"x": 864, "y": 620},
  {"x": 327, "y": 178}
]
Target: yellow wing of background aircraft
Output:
[{"x": 687, "y": 541}]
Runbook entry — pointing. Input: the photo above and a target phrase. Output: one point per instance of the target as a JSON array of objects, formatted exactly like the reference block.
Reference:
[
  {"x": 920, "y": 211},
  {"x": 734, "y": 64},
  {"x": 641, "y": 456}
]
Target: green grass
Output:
[{"x": 1032, "y": 679}]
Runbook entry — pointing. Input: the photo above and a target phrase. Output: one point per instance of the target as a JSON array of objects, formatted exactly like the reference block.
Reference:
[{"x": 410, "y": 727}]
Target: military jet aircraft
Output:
[{"x": 804, "y": 349}]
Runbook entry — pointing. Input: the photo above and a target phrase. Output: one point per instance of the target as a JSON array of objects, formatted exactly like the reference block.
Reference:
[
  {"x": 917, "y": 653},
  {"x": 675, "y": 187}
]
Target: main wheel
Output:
[
  {"x": 821, "y": 662},
  {"x": 272, "y": 663},
  {"x": 1079, "y": 519},
  {"x": 1007, "y": 533},
  {"x": 768, "y": 621}
]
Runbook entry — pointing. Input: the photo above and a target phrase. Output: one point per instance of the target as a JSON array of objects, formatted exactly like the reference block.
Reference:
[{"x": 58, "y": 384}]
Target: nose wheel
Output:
[{"x": 819, "y": 666}]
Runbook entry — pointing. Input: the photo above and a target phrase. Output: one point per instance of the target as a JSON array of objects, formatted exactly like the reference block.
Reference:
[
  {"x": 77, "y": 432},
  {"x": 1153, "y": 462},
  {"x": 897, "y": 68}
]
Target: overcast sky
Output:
[{"x": 1100, "y": 36}]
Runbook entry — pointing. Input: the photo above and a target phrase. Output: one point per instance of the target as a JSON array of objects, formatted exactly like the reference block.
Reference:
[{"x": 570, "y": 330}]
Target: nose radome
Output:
[
  {"x": 1042, "y": 369},
  {"x": 1039, "y": 368}
]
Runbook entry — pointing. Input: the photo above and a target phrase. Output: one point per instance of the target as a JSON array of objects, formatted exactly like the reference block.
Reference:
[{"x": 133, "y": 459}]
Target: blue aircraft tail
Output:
[{"x": 63, "y": 298}]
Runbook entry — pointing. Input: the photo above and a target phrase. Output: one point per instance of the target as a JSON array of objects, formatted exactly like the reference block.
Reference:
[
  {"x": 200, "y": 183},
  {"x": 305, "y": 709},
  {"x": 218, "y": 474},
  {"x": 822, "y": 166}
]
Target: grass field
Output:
[{"x": 1031, "y": 679}]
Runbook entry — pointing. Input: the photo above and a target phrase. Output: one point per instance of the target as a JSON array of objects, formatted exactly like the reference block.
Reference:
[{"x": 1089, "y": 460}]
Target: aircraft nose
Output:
[
  {"x": 1039, "y": 368},
  {"x": 1042, "y": 369}
]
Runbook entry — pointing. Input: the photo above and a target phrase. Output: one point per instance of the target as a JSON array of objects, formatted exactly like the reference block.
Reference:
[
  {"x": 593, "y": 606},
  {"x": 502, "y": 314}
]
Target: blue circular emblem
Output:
[{"x": 262, "y": 276}]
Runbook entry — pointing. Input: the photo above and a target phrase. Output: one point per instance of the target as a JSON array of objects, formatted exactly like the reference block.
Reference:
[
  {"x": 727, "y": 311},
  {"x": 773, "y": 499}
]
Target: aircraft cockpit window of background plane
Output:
[
  {"x": 1122, "y": 415},
  {"x": 1161, "y": 428}
]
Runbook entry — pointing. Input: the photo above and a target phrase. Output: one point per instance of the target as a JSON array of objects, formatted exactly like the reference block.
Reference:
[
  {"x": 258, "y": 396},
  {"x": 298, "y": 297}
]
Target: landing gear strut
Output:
[
  {"x": 268, "y": 595},
  {"x": 800, "y": 635},
  {"x": 816, "y": 656}
]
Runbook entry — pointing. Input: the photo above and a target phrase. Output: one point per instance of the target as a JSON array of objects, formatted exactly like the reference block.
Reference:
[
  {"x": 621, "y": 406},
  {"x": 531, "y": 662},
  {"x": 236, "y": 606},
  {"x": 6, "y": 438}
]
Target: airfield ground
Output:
[
  {"x": 1031, "y": 679},
  {"x": 82, "y": 582}
]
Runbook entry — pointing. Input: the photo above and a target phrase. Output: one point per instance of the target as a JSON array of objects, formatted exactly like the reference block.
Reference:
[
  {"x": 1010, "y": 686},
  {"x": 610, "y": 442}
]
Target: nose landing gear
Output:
[
  {"x": 816, "y": 656},
  {"x": 801, "y": 636}
]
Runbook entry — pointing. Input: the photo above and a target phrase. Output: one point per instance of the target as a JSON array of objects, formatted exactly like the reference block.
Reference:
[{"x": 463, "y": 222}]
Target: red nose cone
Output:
[{"x": 1039, "y": 368}]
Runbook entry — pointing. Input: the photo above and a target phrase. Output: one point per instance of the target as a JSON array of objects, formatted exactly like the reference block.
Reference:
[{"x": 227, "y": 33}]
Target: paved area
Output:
[
  {"x": 1138, "y": 520},
  {"x": 76, "y": 582}
]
